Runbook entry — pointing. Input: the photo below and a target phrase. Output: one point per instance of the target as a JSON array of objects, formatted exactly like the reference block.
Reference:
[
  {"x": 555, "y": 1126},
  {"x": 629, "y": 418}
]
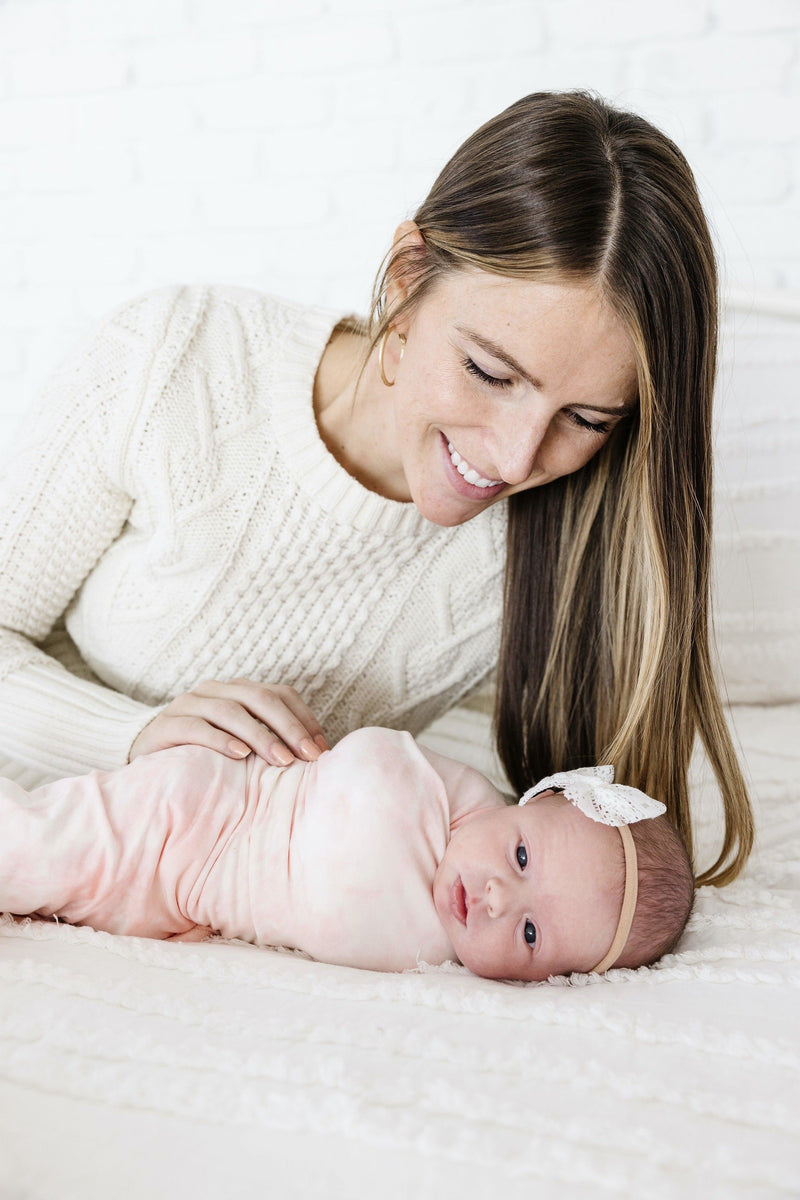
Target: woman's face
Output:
[{"x": 504, "y": 385}]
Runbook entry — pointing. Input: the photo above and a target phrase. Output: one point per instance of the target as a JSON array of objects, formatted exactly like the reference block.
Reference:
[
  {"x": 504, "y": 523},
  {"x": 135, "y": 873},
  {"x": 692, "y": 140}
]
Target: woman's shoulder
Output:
[
  {"x": 178, "y": 312},
  {"x": 257, "y": 312},
  {"x": 227, "y": 332},
  {"x": 214, "y": 348}
]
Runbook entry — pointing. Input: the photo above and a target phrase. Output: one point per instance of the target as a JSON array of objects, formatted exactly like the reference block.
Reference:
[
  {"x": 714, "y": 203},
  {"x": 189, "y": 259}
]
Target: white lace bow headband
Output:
[{"x": 593, "y": 791}]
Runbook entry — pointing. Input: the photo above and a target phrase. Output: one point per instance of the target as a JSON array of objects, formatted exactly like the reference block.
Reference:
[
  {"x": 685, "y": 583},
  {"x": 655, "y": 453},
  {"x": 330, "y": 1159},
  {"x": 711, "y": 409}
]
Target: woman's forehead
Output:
[
  {"x": 552, "y": 320},
  {"x": 471, "y": 287}
]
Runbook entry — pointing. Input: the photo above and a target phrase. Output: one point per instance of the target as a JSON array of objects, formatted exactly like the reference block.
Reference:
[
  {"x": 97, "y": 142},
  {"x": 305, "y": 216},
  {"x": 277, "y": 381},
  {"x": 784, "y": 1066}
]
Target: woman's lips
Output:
[
  {"x": 469, "y": 490},
  {"x": 458, "y": 901}
]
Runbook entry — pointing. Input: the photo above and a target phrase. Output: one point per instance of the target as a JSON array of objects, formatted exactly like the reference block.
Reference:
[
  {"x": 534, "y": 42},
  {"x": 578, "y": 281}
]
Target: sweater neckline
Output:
[{"x": 317, "y": 472}]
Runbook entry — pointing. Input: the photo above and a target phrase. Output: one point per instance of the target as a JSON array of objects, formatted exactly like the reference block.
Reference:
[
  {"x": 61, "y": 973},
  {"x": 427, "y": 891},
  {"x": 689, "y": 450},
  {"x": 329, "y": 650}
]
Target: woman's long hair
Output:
[{"x": 606, "y": 645}]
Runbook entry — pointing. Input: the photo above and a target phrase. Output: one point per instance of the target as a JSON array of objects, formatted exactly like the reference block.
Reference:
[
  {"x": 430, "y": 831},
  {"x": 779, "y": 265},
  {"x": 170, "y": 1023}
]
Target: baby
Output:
[{"x": 381, "y": 854}]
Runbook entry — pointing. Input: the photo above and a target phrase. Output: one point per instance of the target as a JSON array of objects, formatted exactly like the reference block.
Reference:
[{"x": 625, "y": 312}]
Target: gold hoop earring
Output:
[{"x": 381, "y": 368}]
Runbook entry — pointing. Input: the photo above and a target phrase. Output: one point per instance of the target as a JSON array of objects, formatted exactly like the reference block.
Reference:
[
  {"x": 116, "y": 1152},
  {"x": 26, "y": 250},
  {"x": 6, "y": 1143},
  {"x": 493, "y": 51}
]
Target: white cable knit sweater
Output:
[{"x": 172, "y": 504}]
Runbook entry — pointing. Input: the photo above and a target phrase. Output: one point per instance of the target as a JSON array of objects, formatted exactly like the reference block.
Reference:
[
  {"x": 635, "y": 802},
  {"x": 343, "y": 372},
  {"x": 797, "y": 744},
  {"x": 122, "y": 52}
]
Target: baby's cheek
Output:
[{"x": 481, "y": 954}]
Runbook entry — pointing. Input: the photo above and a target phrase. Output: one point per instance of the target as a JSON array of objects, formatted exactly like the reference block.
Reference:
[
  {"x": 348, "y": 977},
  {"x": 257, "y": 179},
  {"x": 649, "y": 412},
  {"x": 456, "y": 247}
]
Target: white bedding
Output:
[{"x": 143, "y": 1069}]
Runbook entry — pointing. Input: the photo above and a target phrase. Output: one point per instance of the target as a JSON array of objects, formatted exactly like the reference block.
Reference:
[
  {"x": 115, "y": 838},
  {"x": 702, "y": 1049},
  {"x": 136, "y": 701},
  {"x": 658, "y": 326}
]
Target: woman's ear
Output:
[
  {"x": 407, "y": 229},
  {"x": 408, "y": 248}
]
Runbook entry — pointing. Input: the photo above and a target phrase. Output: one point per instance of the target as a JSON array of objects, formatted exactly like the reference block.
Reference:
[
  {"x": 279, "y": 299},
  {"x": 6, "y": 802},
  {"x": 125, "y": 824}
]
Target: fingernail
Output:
[
  {"x": 320, "y": 740},
  {"x": 239, "y": 749},
  {"x": 309, "y": 750},
  {"x": 282, "y": 756}
]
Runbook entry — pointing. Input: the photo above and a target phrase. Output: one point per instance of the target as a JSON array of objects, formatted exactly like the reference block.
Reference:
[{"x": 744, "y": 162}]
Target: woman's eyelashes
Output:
[
  {"x": 598, "y": 427},
  {"x": 590, "y": 426},
  {"x": 484, "y": 376}
]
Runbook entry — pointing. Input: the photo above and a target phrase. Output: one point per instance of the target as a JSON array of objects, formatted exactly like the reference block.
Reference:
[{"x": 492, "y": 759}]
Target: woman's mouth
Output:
[
  {"x": 466, "y": 480},
  {"x": 469, "y": 473},
  {"x": 458, "y": 901}
]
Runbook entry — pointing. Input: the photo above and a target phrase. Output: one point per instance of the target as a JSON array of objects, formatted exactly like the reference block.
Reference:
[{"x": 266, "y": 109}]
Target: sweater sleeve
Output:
[{"x": 64, "y": 498}]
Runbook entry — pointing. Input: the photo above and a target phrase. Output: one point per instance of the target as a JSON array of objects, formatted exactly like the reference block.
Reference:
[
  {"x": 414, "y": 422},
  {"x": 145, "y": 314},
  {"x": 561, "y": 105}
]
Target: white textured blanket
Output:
[{"x": 131, "y": 1068}]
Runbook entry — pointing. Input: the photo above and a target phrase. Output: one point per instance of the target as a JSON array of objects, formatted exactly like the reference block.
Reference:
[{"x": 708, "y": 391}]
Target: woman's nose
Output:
[
  {"x": 497, "y": 898},
  {"x": 520, "y": 446}
]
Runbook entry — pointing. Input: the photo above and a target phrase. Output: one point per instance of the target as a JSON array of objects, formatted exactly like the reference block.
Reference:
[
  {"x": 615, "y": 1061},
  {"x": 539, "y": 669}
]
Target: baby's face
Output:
[{"x": 524, "y": 893}]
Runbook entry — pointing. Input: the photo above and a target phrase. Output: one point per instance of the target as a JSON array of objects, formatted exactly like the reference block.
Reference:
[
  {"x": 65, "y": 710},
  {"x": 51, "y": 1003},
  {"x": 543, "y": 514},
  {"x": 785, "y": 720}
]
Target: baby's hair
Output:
[{"x": 666, "y": 892}]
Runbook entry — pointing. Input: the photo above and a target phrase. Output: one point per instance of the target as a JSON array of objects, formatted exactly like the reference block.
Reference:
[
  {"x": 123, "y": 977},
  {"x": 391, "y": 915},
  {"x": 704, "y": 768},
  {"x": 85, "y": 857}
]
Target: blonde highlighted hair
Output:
[{"x": 606, "y": 647}]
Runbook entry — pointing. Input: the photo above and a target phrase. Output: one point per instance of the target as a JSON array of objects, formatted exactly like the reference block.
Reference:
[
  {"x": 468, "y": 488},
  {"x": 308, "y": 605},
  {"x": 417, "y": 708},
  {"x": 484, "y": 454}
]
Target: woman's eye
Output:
[
  {"x": 522, "y": 855},
  {"x": 530, "y": 933},
  {"x": 484, "y": 376},
  {"x": 599, "y": 427}
]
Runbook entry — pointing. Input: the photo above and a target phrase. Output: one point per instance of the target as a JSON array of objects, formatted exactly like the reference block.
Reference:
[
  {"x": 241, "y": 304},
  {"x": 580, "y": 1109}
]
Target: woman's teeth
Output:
[{"x": 469, "y": 473}]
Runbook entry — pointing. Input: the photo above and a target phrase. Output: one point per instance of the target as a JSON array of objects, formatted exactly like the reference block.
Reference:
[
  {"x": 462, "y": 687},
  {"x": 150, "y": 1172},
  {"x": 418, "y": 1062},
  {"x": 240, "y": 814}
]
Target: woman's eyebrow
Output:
[
  {"x": 621, "y": 410},
  {"x": 497, "y": 352}
]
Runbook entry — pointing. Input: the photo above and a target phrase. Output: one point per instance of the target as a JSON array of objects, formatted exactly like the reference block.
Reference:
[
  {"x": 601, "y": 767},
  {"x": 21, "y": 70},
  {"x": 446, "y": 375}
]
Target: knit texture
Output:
[{"x": 171, "y": 515}]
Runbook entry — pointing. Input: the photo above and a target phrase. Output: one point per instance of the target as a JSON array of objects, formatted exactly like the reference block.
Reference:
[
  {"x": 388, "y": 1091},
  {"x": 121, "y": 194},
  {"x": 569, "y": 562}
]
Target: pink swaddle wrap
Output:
[{"x": 335, "y": 858}]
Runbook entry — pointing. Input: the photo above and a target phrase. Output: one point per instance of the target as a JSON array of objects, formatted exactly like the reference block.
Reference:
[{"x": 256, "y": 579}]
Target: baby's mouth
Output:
[{"x": 458, "y": 901}]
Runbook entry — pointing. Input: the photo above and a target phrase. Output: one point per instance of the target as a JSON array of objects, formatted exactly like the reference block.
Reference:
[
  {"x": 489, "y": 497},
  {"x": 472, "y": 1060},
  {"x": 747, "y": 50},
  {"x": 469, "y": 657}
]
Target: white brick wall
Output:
[{"x": 277, "y": 144}]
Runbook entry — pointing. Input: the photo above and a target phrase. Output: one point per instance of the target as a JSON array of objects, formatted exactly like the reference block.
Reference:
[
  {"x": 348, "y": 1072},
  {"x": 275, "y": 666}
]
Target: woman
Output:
[{"x": 310, "y": 515}]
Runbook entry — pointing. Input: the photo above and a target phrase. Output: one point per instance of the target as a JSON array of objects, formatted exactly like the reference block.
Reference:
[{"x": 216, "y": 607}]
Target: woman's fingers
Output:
[
  {"x": 296, "y": 704},
  {"x": 168, "y": 729},
  {"x": 280, "y": 708},
  {"x": 234, "y": 718}
]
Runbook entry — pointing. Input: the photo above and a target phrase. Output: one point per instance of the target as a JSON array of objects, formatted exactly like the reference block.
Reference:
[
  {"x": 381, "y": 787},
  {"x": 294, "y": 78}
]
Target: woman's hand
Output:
[{"x": 235, "y": 718}]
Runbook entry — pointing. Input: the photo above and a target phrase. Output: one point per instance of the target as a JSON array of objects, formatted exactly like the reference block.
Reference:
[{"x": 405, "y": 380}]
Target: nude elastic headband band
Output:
[{"x": 628, "y": 902}]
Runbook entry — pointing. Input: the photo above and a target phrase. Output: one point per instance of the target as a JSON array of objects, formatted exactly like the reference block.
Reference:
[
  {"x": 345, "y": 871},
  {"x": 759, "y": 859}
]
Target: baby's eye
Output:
[
  {"x": 522, "y": 855},
  {"x": 530, "y": 933}
]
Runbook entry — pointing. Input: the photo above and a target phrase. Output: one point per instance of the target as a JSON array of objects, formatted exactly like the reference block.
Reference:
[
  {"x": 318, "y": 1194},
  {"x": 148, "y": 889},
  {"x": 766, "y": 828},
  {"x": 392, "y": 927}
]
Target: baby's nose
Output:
[{"x": 496, "y": 898}]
